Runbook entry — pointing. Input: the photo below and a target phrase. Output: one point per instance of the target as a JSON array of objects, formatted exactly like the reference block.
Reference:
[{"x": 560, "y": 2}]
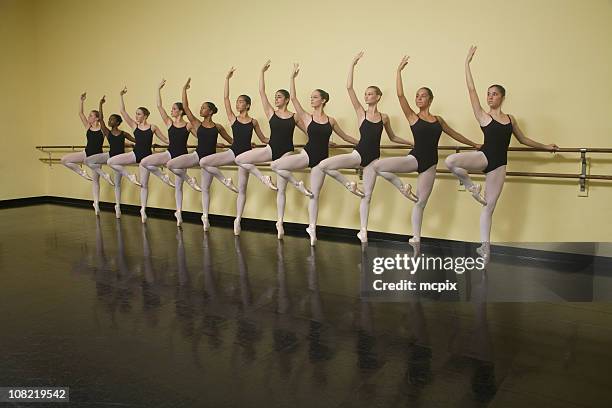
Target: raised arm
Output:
[
  {"x": 102, "y": 124},
  {"x": 81, "y": 112},
  {"x": 126, "y": 116},
  {"x": 456, "y": 135},
  {"x": 268, "y": 108},
  {"x": 399, "y": 84},
  {"x": 349, "y": 87},
  {"x": 343, "y": 135},
  {"x": 481, "y": 115},
  {"x": 160, "y": 107},
  {"x": 520, "y": 136},
  {"x": 228, "y": 105},
  {"x": 160, "y": 134},
  {"x": 195, "y": 122},
  {"x": 259, "y": 133},
  {"x": 392, "y": 136},
  {"x": 302, "y": 114},
  {"x": 224, "y": 134}
]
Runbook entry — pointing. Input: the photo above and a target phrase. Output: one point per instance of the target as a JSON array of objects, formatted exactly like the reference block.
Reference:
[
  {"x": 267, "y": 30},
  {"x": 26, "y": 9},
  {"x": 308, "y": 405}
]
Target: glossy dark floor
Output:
[{"x": 127, "y": 315}]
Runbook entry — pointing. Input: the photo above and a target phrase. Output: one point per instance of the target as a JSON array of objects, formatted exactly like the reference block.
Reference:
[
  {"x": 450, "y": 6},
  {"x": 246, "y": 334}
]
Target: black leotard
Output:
[
  {"x": 317, "y": 146},
  {"x": 496, "y": 142},
  {"x": 207, "y": 141},
  {"x": 144, "y": 140},
  {"x": 178, "y": 140},
  {"x": 95, "y": 138},
  {"x": 426, "y": 136},
  {"x": 281, "y": 135},
  {"x": 242, "y": 132},
  {"x": 117, "y": 144},
  {"x": 369, "y": 142}
]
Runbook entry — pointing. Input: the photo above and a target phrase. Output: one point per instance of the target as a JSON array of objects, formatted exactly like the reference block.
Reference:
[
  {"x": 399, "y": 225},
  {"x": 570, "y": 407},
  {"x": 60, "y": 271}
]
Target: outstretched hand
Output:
[
  {"x": 83, "y": 96},
  {"x": 123, "y": 91},
  {"x": 103, "y": 100},
  {"x": 357, "y": 58},
  {"x": 403, "y": 63},
  {"x": 296, "y": 70},
  {"x": 230, "y": 73},
  {"x": 266, "y": 66},
  {"x": 552, "y": 147},
  {"x": 187, "y": 84},
  {"x": 162, "y": 83},
  {"x": 470, "y": 55}
]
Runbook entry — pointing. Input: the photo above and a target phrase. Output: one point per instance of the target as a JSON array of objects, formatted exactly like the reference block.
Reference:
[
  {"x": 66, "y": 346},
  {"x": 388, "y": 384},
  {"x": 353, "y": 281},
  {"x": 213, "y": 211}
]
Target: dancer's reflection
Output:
[
  {"x": 183, "y": 299},
  {"x": 150, "y": 292},
  {"x": 214, "y": 308},
  {"x": 103, "y": 278},
  {"x": 125, "y": 276}
]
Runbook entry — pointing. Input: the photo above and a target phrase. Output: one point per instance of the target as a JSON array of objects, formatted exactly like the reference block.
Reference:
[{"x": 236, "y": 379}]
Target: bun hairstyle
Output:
[
  {"x": 376, "y": 89},
  {"x": 145, "y": 111},
  {"x": 247, "y": 99},
  {"x": 426, "y": 89},
  {"x": 212, "y": 107},
  {"x": 324, "y": 95},
  {"x": 179, "y": 106},
  {"x": 285, "y": 93},
  {"x": 500, "y": 89},
  {"x": 118, "y": 118}
]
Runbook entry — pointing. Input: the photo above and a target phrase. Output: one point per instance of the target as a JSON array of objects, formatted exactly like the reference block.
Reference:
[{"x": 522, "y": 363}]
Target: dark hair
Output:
[
  {"x": 117, "y": 118},
  {"x": 247, "y": 98},
  {"x": 376, "y": 89},
  {"x": 428, "y": 91},
  {"x": 285, "y": 93},
  {"x": 97, "y": 113},
  {"x": 500, "y": 88},
  {"x": 145, "y": 111},
  {"x": 212, "y": 107},
  {"x": 324, "y": 95},
  {"x": 179, "y": 106}
]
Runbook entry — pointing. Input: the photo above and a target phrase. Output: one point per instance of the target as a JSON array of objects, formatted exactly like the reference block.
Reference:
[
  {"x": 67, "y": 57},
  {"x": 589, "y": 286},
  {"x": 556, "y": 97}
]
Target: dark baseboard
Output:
[{"x": 323, "y": 232}]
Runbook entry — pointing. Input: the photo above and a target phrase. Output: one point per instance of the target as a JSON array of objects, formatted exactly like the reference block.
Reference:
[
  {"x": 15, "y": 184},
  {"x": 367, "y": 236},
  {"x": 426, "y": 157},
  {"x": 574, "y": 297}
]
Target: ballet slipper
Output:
[
  {"x": 301, "y": 188},
  {"x": 179, "y": 218},
  {"x": 96, "y": 209},
  {"x": 363, "y": 236},
  {"x": 475, "y": 190},
  {"x": 485, "y": 252},
  {"x": 312, "y": 231},
  {"x": 227, "y": 182},
  {"x": 117, "y": 211},
  {"x": 237, "y": 228},
  {"x": 267, "y": 180},
  {"x": 352, "y": 187},
  {"x": 416, "y": 246},
  {"x": 133, "y": 179},
  {"x": 280, "y": 231},
  {"x": 205, "y": 223},
  {"x": 166, "y": 179},
  {"x": 108, "y": 178},
  {"x": 84, "y": 174},
  {"x": 406, "y": 190},
  {"x": 193, "y": 183},
  {"x": 143, "y": 215}
]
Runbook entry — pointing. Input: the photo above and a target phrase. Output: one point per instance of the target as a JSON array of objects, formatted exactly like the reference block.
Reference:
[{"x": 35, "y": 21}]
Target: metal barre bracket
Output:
[{"x": 583, "y": 190}]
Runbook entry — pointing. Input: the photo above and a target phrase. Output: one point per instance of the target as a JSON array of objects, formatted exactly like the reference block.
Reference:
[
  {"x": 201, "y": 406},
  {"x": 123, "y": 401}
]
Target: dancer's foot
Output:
[
  {"x": 132, "y": 178},
  {"x": 475, "y": 190},
  {"x": 205, "y": 223},
  {"x": 179, "y": 218},
  {"x": 228, "y": 183},
  {"x": 96, "y": 207},
  {"x": 406, "y": 190},
  {"x": 267, "y": 180},
  {"x": 166, "y": 179},
  {"x": 143, "y": 215},
  {"x": 363, "y": 236},
  {"x": 85, "y": 175},
  {"x": 108, "y": 178},
  {"x": 416, "y": 246},
  {"x": 484, "y": 251},
  {"x": 352, "y": 187},
  {"x": 117, "y": 211},
  {"x": 312, "y": 231},
  {"x": 237, "y": 228},
  {"x": 193, "y": 183},
  {"x": 280, "y": 231},
  {"x": 302, "y": 189}
]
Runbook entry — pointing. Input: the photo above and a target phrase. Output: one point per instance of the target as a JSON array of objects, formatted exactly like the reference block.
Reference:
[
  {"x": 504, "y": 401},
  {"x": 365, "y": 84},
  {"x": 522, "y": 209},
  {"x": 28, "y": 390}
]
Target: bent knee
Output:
[{"x": 450, "y": 161}]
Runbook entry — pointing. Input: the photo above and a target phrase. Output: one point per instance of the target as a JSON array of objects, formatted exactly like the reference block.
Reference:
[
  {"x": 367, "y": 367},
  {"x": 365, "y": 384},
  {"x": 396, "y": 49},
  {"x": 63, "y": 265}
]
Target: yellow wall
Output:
[
  {"x": 553, "y": 57},
  {"x": 20, "y": 173}
]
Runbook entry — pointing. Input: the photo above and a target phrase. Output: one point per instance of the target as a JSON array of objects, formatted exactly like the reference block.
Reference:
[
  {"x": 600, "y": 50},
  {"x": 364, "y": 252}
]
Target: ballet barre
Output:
[{"x": 582, "y": 176}]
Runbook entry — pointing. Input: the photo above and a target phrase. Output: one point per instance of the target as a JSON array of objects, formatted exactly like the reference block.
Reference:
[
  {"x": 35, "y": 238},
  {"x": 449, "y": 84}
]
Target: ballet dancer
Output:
[
  {"x": 426, "y": 130},
  {"x": 242, "y": 130},
  {"x": 492, "y": 157},
  {"x": 207, "y": 133},
  {"x": 143, "y": 133},
  {"x": 116, "y": 140},
  {"x": 367, "y": 151},
  {"x": 92, "y": 155},
  {"x": 319, "y": 127}
]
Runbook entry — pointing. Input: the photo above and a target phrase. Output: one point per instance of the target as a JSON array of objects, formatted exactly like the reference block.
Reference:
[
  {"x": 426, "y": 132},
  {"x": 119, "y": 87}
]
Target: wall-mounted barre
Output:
[{"x": 582, "y": 177}]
